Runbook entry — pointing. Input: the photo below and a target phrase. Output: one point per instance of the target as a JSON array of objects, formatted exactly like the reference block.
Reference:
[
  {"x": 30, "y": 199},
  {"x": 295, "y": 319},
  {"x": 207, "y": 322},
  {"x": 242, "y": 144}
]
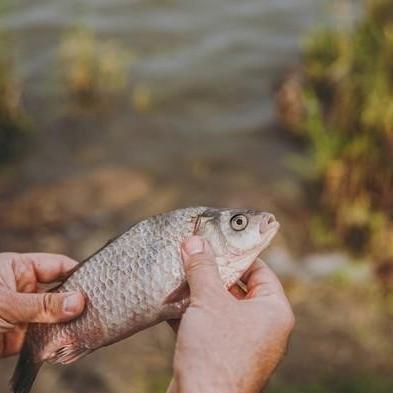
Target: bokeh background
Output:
[{"x": 113, "y": 111}]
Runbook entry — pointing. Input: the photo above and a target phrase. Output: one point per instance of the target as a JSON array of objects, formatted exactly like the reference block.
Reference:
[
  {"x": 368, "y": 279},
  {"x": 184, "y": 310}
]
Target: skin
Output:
[
  {"x": 229, "y": 342},
  {"x": 20, "y": 279}
]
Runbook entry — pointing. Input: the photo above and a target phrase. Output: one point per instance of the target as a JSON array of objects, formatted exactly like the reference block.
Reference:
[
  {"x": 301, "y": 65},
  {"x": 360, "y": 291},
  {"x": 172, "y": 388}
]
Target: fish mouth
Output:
[
  {"x": 267, "y": 230},
  {"x": 268, "y": 223},
  {"x": 268, "y": 227}
]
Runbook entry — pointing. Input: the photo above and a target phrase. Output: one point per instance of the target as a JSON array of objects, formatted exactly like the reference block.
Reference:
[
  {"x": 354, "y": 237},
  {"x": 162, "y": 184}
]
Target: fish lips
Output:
[{"x": 268, "y": 231}]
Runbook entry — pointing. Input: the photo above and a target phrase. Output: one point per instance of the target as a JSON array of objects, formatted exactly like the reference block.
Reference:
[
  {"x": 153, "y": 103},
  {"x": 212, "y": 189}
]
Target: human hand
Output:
[
  {"x": 229, "y": 342},
  {"x": 20, "y": 275}
]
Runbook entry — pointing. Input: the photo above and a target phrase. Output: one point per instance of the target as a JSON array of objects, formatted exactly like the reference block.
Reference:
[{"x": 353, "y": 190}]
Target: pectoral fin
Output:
[{"x": 68, "y": 354}]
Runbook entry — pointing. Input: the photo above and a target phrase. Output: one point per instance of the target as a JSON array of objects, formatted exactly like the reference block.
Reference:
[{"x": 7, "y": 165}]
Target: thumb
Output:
[
  {"x": 45, "y": 307},
  {"x": 201, "y": 268}
]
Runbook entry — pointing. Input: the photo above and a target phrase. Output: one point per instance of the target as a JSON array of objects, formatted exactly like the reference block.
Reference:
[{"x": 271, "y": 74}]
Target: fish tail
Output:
[{"x": 25, "y": 372}]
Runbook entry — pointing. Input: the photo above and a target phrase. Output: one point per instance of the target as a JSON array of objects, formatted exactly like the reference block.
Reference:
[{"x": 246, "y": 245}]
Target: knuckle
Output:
[
  {"x": 50, "y": 306},
  {"x": 5, "y": 326},
  {"x": 46, "y": 300},
  {"x": 200, "y": 261},
  {"x": 25, "y": 275},
  {"x": 6, "y": 300}
]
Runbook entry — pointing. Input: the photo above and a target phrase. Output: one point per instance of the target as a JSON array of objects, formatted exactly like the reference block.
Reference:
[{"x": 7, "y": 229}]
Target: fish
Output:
[{"x": 137, "y": 280}]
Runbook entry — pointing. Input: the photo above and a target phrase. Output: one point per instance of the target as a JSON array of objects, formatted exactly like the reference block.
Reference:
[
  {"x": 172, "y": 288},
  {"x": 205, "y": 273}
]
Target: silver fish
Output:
[{"x": 137, "y": 280}]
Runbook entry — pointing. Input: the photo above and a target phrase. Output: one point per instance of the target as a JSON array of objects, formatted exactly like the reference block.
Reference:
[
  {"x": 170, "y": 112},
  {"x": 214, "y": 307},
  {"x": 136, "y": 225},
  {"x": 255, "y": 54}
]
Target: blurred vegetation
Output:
[
  {"x": 365, "y": 384},
  {"x": 92, "y": 68},
  {"x": 341, "y": 104},
  {"x": 13, "y": 122}
]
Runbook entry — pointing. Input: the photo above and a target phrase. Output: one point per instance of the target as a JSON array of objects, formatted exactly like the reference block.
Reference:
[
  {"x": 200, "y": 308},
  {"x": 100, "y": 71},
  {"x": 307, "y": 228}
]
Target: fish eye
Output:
[{"x": 239, "y": 222}]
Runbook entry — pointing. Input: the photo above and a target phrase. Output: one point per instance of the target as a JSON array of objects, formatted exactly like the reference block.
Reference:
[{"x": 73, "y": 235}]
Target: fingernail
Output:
[
  {"x": 71, "y": 304},
  {"x": 193, "y": 245}
]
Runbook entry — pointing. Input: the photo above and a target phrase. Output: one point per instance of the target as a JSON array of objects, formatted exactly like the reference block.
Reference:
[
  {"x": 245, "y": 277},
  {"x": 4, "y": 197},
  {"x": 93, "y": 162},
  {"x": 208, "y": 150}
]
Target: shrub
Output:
[
  {"x": 92, "y": 68},
  {"x": 344, "y": 113}
]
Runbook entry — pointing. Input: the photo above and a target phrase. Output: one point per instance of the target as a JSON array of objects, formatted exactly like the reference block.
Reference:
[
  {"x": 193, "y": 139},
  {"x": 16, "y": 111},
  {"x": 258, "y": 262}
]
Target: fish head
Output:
[{"x": 236, "y": 237}]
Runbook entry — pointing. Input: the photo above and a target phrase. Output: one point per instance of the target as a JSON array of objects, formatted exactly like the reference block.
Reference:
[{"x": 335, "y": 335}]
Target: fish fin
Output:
[
  {"x": 25, "y": 372},
  {"x": 68, "y": 353}
]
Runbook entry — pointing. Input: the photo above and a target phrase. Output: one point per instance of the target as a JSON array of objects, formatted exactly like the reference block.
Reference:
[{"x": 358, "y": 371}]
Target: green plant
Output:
[
  {"x": 92, "y": 68},
  {"x": 346, "y": 119},
  {"x": 347, "y": 384}
]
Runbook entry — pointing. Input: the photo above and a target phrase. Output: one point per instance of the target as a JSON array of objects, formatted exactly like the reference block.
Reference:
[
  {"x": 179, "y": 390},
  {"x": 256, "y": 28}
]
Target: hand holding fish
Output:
[
  {"x": 20, "y": 275},
  {"x": 229, "y": 343}
]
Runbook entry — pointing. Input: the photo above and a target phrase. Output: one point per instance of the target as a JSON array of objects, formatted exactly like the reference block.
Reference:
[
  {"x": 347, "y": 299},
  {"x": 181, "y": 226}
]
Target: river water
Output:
[{"x": 211, "y": 64}]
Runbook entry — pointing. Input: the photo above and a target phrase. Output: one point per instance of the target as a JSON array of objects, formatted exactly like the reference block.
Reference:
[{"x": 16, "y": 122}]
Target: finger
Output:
[
  {"x": 29, "y": 269},
  {"x": 237, "y": 292},
  {"x": 12, "y": 342},
  {"x": 7, "y": 276},
  {"x": 49, "y": 267},
  {"x": 201, "y": 268},
  {"x": 41, "y": 308},
  {"x": 261, "y": 281},
  {"x": 254, "y": 267}
]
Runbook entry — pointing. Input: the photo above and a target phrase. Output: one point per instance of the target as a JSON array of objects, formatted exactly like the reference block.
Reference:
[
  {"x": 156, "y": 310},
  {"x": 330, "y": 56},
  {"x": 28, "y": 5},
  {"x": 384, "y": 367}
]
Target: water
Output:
[{"x": 211, "y": 64}]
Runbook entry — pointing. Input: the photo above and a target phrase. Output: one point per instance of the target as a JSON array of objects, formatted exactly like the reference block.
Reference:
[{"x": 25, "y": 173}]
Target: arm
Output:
[{"x": 229, "y": 342}]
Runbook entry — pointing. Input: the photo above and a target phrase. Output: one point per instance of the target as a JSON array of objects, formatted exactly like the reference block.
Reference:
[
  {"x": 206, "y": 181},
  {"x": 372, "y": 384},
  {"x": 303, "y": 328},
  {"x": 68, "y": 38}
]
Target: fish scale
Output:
[{"x": 128, "y": 283}]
